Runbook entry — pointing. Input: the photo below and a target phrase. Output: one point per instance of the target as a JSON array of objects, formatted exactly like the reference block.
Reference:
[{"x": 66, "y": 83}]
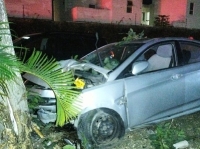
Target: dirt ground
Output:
[{"x": 57, "y": 138}]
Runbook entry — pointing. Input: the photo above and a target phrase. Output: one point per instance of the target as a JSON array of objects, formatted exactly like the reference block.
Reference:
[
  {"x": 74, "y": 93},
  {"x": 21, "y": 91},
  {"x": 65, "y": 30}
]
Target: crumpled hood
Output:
[{"x": 73, "y": 65}]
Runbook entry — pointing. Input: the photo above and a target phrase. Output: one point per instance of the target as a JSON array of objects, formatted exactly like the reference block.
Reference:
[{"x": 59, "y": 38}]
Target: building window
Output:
[
  {"x": 147, "y": 2},
  {"x": 191, "y": 11},
  {"x": 143, "y": 16},
  {"x": 92, "y": 6},
  {"x": 129, "y": 6}
]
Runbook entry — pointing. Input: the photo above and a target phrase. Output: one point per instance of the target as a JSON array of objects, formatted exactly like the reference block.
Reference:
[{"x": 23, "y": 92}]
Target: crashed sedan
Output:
[{"x": 134, "y": 84}]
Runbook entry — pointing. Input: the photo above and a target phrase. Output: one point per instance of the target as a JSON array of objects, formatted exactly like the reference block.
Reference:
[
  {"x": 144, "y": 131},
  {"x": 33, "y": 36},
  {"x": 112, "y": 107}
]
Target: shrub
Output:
[{"x": 166, "y": 135}]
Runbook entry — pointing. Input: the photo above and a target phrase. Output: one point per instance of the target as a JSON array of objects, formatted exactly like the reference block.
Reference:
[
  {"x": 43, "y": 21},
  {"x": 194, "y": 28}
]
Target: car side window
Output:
[
  {"x": 190, "y": 52},
  {"x": 159, "y": 57},
  {"x": 154, "y": 58}
]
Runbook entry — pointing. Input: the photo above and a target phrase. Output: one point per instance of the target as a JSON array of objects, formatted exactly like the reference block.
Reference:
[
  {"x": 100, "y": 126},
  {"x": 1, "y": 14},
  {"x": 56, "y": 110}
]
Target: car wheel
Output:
[{"x": 100, "y": 128}]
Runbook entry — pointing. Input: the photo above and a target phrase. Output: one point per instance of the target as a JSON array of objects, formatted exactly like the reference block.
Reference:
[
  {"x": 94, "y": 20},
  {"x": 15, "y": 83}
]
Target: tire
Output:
[{"x": 100, "y": 128}]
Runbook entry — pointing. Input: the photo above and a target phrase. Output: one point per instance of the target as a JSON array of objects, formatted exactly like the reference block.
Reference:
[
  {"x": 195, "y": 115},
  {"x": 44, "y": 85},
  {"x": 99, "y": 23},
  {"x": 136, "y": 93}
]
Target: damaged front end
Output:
[{"x": 86, "y": 75}]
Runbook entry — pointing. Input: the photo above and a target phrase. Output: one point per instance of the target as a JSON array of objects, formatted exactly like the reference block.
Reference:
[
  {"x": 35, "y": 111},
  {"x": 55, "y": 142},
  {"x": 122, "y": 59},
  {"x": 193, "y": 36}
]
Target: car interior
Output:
[
  {"x": 161, "y": 59},
  {"x": 191, "y": 52}
]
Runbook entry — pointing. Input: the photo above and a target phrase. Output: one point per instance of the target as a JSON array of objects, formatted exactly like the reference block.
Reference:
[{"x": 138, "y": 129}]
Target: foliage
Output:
[
  {"x": 84, "y": 141},
  {"x": 166, "y": 135},
  {"x": 8, "y": 63},
  {"x": 74, "y": 57},
  {"x": 131, "y": 35},
  {"x": 33, "y": 100},
  {"x": 60, "y": 82},
  {"x": 112, "y": 32},
  {"x": 8, "y": 67},
  {"x": 49, "y": 71},
  {"x": 69, "y": 147},
  {"x": 162, "y": 21}
]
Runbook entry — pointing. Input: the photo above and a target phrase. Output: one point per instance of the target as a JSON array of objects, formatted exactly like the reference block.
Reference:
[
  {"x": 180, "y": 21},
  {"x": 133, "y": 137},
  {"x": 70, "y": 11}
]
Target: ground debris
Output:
[{"x": 55, "y": 137}]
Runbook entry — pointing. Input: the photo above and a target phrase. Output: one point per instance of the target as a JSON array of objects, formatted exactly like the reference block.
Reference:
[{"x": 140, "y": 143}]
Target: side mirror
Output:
[{"x": 138, "y": 67}]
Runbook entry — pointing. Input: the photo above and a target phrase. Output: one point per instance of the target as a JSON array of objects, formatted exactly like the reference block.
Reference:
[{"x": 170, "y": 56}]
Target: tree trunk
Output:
[{"x": 15, "y": 122}]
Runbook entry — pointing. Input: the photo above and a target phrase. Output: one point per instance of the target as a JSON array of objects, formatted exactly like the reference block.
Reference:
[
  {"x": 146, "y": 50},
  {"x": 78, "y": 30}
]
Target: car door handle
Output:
[{"x": 176, "y": 76}]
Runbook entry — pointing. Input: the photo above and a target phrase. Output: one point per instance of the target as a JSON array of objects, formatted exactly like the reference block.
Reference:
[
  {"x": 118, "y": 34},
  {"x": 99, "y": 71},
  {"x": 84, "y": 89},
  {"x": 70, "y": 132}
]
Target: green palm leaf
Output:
[
  {"x": 68, "y": 103},
  {"x": 9, "y": 64},
  {"x": 67, "y": 95},
  {"x": 8, "y": 67}
]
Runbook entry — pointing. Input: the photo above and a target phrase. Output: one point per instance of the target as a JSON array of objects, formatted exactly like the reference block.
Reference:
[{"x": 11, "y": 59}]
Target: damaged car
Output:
[{"x": 132, "y": 85}]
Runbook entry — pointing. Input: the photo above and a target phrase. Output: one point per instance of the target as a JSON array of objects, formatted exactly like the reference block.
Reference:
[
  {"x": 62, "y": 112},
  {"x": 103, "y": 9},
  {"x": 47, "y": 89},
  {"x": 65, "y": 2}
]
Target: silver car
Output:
[{"x": 135, "y": 84}]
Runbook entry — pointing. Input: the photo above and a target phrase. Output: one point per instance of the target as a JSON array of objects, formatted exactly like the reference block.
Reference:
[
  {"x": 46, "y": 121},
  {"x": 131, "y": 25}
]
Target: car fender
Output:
[{"x": 110, "y": 95}]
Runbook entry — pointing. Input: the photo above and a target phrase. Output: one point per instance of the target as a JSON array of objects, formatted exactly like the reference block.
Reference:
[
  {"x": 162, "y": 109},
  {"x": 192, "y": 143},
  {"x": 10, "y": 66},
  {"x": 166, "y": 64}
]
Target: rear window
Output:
[{"x": 191, "y": 52}]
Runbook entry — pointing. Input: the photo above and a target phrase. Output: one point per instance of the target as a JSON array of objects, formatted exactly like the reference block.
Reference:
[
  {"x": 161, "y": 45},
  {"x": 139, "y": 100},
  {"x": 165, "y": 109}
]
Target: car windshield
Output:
[{"x": 112, "y": 55}]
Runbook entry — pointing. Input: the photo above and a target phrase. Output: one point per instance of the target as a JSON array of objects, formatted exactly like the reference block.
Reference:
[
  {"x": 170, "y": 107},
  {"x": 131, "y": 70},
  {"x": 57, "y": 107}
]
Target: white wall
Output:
[{"x": 193, "y": 21}]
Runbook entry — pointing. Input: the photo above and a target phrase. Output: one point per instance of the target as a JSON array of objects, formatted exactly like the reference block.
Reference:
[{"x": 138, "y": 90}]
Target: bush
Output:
[
  {"x": 166, "y": 135},
  {"x": 112, "y": 32},
  {"x": 161, "y": 20}
]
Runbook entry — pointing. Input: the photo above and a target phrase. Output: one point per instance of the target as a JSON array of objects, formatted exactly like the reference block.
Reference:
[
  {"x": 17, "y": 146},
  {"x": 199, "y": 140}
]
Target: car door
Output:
[
  {"x": 191, "y": 55},
  {"x": 155, "y": 94}
]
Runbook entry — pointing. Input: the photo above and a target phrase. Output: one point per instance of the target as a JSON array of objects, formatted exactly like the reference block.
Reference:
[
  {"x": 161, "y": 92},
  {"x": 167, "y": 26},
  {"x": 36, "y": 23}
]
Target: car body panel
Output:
[
  {"x": 147, "y": 94},
  {"x": 109, "y": 95},
  {"x": 192, "y": 85}
]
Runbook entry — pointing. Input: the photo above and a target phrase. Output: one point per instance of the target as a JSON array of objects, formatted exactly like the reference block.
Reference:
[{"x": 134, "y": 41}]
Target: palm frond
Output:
[
  {"x": 4, "y": 27},
  {"x": 4, "y": 47},
  {"x": 60, "y": 82},
  {"x": 8, "y": 62},
  {"x": 8, "y": 67},
  {"x": 3, "y": 88},
  {"x": 48, "y": 70}
]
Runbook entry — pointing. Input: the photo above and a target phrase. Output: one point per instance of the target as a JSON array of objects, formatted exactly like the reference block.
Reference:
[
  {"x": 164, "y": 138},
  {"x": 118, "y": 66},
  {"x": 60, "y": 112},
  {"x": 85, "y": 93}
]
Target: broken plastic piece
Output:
[
  {"x": 80, "y": 83},
  {"x": 46, "y": 116},
  {"x": 68, "y": 142},
  {"x": 182, "y": 144},
  {"x": 36, "y": 128}
]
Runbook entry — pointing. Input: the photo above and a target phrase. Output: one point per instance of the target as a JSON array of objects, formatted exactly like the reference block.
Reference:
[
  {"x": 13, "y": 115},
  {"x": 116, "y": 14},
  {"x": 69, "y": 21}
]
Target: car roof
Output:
[
  {"x": 61, "y": 33},
  {"x": 160, "y": 39}
]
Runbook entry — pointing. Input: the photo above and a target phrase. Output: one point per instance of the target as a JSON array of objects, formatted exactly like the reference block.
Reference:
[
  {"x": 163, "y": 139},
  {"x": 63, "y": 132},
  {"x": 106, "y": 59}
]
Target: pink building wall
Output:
[
  {"x": 90, "y": 15},
  {"x": 120, "y": 15},
  {"x": 40, "y": 9},
  {"x": 109, "y": 11},
  {"x": 176, "y": 9},
  {"x": 107, "y": 4}
]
